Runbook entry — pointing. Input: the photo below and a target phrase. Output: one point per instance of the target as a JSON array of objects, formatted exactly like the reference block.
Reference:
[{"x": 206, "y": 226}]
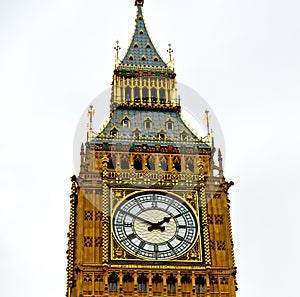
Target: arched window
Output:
[
  {"x": 171, "y": 284},
  {"x": 142, "y": 283},
  {"x": 131, "y": 58},
  {"x": 136, "y": 45},
  {"x": 147, "y": 124},
  {"x": 141, "y": 32},
  {"x": 112, "y": 162},
  {"x": 148, "y": 45},
  {"x": 136, "y": 133},
  {"x": 143, "y": 58},
  {"x": 113, "y": 282},
  {"x": 114, "y": 132},
  {"x": 145, "y": 93},
  {"x": 128, "y": 283},
  {"x": 137, "y": 93},
  {"x": 157, "y": 283},
  {"x": 153, "y": 93},
  {"x": 124, "y": 162},
  {"x": 138, "y": 162},
  {"x": 151, "y": 163},
  {"x": 163, "y": 163},
  {"x": 162, "y": 95},
  {"x": 184, "y": 136},
  {"x": 169, "y": 125},
  {"x": 200, "y": 282},
  {"x": 128, "y": 94},
  {"x": 190, "y": 164},
  {"x": 186, "y": 283},
  {"x": 177, "y": 163},
  {"x": 126, "y": 122},
  {"x": 161, "y": 135},
  {"x": 155, "y": 59}
]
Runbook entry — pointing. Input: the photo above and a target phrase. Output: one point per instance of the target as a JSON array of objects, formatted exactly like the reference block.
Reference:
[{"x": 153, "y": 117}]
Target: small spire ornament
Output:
[{"x": 117, "y": 49}]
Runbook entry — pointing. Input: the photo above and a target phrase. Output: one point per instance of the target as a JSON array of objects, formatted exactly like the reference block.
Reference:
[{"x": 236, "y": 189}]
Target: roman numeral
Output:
[
  {"x": 182, "y": 226},
  {"x": 128, "y": 225},
  {"x": 179, "y": 237},
  {"x": 131, "y": 236},
  {"x": 142, "y": 244}
]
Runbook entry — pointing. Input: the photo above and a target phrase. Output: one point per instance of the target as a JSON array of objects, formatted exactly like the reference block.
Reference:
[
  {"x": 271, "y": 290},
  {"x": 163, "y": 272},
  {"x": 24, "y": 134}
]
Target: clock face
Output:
[{"x": 155, "y": 226}]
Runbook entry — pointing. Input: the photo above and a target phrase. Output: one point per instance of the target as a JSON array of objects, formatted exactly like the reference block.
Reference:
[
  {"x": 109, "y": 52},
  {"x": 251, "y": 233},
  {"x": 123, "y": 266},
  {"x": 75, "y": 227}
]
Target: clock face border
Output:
[{"x": 120, "y": 253}]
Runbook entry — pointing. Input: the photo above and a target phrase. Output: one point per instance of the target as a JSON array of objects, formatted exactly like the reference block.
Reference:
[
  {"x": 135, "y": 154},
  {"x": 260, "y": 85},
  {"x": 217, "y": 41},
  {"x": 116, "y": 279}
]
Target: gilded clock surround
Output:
[
  {"x": 146, "y": 147},
  {"x": 192, "y": 255}
]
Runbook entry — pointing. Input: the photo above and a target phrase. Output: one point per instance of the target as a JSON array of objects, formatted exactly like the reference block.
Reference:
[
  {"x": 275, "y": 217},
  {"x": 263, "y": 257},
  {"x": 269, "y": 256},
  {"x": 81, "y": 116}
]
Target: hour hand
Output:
[{"x": 165, "y": 220}]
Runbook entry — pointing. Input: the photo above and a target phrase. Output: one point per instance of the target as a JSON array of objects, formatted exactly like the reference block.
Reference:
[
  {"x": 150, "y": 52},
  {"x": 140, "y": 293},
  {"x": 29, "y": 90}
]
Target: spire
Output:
[{"x": 141, "y": 52}]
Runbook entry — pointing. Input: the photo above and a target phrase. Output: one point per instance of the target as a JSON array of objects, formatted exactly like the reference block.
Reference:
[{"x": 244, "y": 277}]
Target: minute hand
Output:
[{"x": 138, "y": 218}]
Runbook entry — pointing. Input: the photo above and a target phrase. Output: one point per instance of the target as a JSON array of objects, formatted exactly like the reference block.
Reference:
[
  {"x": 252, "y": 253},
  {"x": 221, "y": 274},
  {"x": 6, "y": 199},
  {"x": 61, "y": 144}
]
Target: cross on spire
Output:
[
  {"x": 117, "y": 49},
  {"x": 170, "y": 51},
  {"x": 91, "y": 114}
]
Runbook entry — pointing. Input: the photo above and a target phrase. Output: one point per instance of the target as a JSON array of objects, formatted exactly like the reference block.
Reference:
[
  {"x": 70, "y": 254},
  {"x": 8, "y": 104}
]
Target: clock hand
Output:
[
  {"x": 138, "y": 218},
  {"x": 157, "y": 226}
]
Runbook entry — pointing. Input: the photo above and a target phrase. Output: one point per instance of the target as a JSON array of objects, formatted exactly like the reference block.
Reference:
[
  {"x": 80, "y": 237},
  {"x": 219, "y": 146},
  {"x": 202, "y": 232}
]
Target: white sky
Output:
[{"x": 241, "y": 56}]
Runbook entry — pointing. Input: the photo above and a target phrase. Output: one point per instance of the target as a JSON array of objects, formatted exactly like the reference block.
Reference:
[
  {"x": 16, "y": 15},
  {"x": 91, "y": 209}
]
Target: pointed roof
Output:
[{"x": 141, "y": 51}]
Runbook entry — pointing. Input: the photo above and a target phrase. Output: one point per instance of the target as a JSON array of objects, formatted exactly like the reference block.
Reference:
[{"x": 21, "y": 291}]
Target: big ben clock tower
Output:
[{"x": 150, "y": 213}]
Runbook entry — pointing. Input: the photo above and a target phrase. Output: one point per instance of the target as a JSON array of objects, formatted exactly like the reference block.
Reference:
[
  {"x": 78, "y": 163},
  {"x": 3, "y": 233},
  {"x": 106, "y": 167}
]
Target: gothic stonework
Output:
[{"x": 149, "y": 215}]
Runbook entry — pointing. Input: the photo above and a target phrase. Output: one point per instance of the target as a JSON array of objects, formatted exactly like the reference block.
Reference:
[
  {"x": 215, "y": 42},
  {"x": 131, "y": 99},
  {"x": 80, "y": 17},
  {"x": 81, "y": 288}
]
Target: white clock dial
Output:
[{"x": 155, "y": 226}]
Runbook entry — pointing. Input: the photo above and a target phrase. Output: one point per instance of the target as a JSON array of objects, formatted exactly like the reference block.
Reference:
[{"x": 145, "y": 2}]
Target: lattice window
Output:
[
  {"x": 88, "y": 241},
  {"x": 219, "y": 219},
  {"x": 200, "y": 283},
  {"x": 98, "y": 242},
  {"x": 88, "y": 215},
  {"x": 142, "y": 283},
  {"x": 156, "y": 281},
  {"x": 212, "y": 245},
  {"x": 113, "y": 282},
  {"x": 221, "y": 246},
  {"x": 98, "y": 215},
  {"x": 210, "y": 219},
  {"x": 171, "y": 283}
]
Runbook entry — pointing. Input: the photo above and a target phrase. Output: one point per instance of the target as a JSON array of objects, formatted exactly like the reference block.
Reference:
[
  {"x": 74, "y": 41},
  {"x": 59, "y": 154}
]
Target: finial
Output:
[
  {"x": 139, "y": 2},
  {"x": 207, "y": 119},
  {"x": 117, "y": 49},
  {"x": 91, "y": 114},
  {"x": 170, "y": 51}
]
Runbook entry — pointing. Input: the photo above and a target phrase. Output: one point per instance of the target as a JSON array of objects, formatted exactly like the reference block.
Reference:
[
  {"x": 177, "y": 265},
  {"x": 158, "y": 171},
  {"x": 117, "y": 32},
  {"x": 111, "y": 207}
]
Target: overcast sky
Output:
[{"x": 241, "y": 56}]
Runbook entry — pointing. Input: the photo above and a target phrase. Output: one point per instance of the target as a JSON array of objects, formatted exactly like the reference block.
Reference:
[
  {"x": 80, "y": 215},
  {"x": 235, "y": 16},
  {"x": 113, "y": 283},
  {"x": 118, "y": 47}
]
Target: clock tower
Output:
[{"x": 150, "y": 213}]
